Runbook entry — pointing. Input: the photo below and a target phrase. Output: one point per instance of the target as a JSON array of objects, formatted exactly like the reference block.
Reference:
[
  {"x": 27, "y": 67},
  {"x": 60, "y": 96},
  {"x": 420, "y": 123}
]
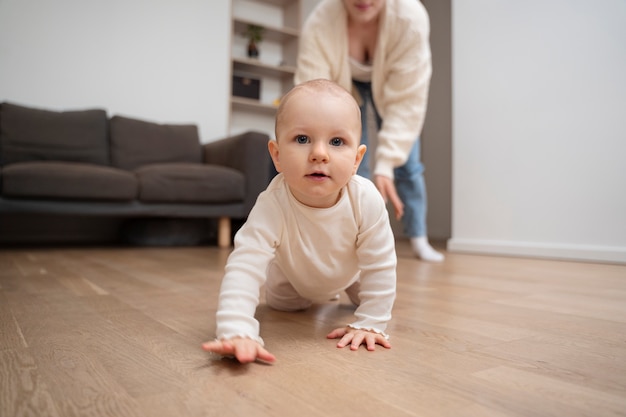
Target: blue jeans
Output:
[{"x": 409, "y": 178}]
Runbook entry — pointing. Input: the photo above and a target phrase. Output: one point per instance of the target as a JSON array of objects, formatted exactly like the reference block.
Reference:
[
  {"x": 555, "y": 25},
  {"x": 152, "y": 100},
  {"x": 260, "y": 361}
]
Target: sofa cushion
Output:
[
  {"x": 190, "y": 183},
  {"x": 28, "y": 134},
  {"x": 68, "y": 180},
  {"x": 135, "y": 143}
]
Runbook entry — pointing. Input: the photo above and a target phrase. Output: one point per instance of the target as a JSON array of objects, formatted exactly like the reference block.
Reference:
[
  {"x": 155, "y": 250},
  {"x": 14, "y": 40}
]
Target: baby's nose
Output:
[{"x": 319, "y": 152}]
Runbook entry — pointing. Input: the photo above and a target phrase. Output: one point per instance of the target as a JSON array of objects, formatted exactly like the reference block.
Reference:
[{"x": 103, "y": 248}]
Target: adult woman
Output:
[{"x": 379, "y": 50}]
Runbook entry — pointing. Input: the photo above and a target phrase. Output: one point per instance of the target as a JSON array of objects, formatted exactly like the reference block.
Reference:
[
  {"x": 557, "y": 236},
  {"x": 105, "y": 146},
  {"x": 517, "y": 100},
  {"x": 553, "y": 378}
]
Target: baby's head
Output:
[{"x": 318, "y": 136}]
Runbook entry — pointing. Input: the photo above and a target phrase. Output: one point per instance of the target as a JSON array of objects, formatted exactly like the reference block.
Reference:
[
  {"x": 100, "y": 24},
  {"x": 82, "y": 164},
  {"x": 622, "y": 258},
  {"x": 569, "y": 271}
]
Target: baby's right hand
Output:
[{"x": 244, "y": 349}]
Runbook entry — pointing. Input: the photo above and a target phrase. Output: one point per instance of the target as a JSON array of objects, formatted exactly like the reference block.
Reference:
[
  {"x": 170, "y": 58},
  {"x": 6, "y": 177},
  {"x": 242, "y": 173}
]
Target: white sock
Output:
[{"x": 424, "y": 251}]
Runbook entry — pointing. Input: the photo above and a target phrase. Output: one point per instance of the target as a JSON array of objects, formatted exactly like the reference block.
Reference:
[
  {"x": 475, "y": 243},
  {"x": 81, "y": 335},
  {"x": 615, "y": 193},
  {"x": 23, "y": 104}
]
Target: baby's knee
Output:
[
  {"x": 287, "y": 304},
  {"x": 286, "y": 299},
  {"x": 353, "y": 293}
]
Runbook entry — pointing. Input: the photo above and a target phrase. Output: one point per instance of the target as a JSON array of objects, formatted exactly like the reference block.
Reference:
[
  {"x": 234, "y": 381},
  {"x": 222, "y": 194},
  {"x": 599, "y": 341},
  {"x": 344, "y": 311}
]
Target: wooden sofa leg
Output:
[{"x": 223, "y": 232}]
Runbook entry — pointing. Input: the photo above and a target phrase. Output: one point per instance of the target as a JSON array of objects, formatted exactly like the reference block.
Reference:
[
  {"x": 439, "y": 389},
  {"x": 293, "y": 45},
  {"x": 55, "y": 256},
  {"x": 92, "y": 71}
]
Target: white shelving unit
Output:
[{"x": 274, "y": 67}]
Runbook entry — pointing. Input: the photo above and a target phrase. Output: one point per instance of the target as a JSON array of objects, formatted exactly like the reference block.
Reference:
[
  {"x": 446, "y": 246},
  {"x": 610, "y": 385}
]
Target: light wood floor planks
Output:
[{"x": 117, "y": 332}]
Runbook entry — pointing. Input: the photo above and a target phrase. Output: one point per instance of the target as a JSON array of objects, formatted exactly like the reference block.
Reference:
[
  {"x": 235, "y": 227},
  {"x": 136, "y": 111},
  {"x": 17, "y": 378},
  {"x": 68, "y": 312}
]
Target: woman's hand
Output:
[
  {"x": 244, "y": 349},
  {"x": 388, "y": 190},
  {"x": 358, "y": 337}
]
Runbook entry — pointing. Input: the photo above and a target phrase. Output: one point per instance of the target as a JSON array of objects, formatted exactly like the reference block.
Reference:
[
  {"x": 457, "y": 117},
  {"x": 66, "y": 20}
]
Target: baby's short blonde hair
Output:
[{"x": 317, "y": 85}]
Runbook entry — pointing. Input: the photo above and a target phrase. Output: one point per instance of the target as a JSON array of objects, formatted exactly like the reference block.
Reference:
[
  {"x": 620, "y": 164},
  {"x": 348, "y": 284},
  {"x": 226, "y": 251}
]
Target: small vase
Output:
[{"x": 253, "y": 50}]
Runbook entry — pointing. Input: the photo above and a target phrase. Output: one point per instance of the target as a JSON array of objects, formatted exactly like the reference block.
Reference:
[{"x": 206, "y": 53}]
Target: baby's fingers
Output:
[
  {"x": 264, "y": 355},
  {"x": 345, "y": 341},
  {"x": 219, "y": 347},
  {"x": 246, "y": 352},
  {"x": 381, "y": 340},
  {"x": 357, "y": 339},
  {"x": 337, "y": 333},
  {"x": 371, "y": 340}
]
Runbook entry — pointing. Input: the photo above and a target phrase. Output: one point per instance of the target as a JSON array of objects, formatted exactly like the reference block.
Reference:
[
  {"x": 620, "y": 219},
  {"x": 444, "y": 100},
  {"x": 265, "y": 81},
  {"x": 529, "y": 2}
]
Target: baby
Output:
[{"x": 318, "y": 229}]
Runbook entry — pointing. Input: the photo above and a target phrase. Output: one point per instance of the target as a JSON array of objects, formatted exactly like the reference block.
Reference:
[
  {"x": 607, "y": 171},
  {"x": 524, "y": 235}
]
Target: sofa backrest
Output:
[
  {"x": 29, "y": 134},
  {"x": 135, "y": 143}
]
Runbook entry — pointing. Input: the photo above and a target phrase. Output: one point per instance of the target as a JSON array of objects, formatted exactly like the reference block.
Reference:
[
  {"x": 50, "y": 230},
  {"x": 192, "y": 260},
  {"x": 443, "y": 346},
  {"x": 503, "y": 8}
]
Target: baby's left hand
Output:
[{"x": 357, "y": 337}]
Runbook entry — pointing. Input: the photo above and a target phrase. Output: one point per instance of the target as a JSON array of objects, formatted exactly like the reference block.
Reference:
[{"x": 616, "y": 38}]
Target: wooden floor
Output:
[{"x": 117, "y": 332}]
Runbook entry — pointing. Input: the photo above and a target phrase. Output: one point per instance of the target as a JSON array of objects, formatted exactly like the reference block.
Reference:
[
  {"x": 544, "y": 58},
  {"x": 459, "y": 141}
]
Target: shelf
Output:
[
  {"x": 280, "y": 3},
  {"x": 256, "y": 66},
  {"x": 275, "y": 67},
  {"x": 270, "y": 33},
  {"x": 242, "y": 103}
]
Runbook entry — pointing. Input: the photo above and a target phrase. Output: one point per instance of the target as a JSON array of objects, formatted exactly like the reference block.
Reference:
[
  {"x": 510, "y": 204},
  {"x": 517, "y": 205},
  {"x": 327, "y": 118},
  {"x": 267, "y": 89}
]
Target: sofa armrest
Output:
[{"x": 246, "y": 152}]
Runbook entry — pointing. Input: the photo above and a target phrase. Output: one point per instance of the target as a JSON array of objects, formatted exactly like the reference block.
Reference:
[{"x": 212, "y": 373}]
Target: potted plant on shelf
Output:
[{"x": 254, "y": 33}]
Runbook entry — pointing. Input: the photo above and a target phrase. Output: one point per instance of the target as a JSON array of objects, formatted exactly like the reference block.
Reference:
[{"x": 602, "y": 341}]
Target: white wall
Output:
[
  {"x": 539, "y": 128},
  {"x": 165, "y": 61}
]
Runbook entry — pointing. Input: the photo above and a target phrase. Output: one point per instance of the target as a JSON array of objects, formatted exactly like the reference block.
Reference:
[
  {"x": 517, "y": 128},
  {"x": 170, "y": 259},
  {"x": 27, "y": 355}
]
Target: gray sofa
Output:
[{"x": 83, "y": 163}]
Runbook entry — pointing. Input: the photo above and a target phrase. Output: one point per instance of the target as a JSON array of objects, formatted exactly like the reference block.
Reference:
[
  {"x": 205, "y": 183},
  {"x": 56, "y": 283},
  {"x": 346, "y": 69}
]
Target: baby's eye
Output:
[
  {"x": 336, "y": 142},
  {"x": 302, "y": 139}
]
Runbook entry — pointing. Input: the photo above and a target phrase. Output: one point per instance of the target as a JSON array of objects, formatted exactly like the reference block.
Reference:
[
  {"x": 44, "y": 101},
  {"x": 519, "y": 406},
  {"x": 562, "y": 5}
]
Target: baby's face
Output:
[{"x": 318, "y": 146}]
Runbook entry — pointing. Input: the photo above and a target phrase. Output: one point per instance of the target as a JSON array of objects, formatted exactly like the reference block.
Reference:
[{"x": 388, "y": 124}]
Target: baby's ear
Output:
[
  {"x": 272, "y": 146},
  {"x": 360, "y": 152}
]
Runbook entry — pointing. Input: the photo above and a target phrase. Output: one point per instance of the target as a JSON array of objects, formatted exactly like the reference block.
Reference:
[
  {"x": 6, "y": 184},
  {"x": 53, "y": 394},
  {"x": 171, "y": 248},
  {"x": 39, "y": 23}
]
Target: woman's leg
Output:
[{"x": 409, "y": 180}]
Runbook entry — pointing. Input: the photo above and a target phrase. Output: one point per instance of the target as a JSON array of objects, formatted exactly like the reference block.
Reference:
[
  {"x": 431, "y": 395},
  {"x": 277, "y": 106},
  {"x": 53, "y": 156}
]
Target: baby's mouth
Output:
[{"x": 317, "y": 175}]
